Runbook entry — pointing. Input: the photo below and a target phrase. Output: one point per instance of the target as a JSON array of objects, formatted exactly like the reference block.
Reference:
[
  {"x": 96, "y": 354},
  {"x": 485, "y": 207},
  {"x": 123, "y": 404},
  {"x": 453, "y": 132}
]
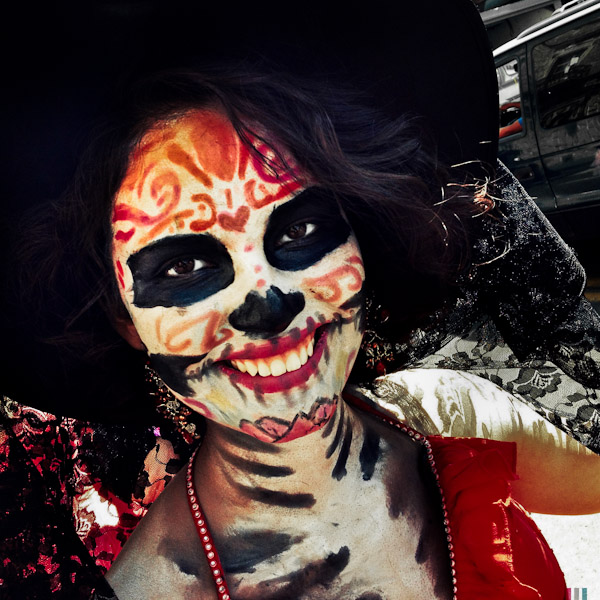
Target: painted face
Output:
[{"x": 243, "y": 282}]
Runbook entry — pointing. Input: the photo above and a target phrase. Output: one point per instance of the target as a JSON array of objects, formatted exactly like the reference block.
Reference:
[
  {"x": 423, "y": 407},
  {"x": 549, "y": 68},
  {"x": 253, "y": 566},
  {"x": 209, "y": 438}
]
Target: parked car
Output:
[{"x": 549, "y": 95}]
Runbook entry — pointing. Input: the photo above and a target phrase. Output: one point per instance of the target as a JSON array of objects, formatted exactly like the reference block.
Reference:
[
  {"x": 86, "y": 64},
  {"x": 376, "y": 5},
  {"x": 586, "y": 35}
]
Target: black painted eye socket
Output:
[
  {"x": 305, "y": 229},
  {"x": 179, "y": 271}
]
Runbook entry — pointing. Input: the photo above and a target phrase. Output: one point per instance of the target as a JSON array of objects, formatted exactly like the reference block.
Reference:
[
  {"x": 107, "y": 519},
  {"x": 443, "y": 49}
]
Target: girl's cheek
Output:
[
  {"x": 181, "y": 331},
  {"x": 339, "y": 281}
]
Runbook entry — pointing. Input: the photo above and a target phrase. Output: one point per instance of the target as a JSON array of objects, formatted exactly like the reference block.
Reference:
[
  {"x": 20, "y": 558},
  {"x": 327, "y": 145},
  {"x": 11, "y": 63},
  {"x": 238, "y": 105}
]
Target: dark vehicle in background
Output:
[{"x": 549, "y": 92}]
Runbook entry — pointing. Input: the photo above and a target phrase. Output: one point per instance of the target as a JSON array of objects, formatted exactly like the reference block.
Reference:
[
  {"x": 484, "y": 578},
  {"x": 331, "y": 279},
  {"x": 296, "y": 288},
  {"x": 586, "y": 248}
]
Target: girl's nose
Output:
[{"x": 264, "y": 316}]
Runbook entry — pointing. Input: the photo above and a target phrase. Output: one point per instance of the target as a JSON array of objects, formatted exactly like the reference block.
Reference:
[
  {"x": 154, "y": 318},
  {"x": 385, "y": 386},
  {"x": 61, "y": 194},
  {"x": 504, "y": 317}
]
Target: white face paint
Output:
[{"x": 243, "y": 284}]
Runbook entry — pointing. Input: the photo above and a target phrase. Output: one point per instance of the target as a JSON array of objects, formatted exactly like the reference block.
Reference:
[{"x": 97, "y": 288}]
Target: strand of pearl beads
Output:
[{"x": 212, "y": 557}]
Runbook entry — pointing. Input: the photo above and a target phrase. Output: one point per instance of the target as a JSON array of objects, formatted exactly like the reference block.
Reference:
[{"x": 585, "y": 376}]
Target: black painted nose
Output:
[{"x": 264, "y": 316}]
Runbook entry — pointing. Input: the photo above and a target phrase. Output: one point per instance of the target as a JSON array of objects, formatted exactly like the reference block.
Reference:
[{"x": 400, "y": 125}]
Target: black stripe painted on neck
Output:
[
  {"x": 276, "y": 498},
  {"x": 254, "y": 467},
  {"x": 339, "y": 470},
  {"x": 326, "y": 432},
  {"x": 338, "y": 434}
]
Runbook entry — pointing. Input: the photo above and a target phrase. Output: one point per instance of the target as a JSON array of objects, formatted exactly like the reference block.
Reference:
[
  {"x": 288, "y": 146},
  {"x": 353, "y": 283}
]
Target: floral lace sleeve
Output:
[
  {"x": 536, "y": 336},
  {"x": 62, "y": 522},
  {"x": 42, "y": 556}
]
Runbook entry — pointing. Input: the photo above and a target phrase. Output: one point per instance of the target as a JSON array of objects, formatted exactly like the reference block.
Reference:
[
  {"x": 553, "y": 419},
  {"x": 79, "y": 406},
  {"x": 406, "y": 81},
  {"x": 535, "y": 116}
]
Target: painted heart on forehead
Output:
[{"x": 243, "y": 284}]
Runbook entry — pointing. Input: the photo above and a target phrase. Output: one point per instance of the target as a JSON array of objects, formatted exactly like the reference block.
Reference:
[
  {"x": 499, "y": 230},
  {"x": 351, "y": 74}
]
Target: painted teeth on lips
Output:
[{"x": 277, "y": 365}]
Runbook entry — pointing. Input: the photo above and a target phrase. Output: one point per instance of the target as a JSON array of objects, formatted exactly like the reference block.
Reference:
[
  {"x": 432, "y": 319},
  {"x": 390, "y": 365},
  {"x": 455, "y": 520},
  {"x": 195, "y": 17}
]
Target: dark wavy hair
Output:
[
  {"x": 412, "y": 226},
  {"x": 412, "y": 218}
]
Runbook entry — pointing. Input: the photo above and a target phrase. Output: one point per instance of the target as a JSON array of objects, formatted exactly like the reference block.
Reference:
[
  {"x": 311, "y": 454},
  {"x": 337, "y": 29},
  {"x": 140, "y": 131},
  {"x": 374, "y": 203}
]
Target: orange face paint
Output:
[
  {"x": 191, "y": 226},
  {"x": 202, "y": 155}
]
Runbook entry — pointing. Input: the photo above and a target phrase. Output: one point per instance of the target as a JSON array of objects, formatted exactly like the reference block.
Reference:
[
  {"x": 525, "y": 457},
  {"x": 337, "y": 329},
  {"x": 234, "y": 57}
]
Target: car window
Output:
[
  {"x": 509, "y": 93},
  {"x": 567, "y": 76}
]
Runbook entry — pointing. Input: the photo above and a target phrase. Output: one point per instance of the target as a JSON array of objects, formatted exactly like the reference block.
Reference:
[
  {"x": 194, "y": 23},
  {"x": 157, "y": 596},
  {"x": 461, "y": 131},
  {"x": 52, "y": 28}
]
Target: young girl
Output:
[{"x": 242, "y": 230}]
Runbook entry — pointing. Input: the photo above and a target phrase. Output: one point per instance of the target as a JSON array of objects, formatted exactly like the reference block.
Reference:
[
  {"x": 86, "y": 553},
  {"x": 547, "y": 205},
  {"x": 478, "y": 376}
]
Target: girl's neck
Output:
[
  {"x": 248, "y": 470},
  {"x": 313, "y": 501}
]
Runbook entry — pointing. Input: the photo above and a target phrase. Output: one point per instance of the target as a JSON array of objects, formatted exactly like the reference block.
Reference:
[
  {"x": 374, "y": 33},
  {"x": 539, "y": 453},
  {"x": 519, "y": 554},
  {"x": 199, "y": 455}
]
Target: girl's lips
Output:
[
  {"x": 276, "y": 347},
  {"x": 272, "y": 383},
  {"x": 277, "y": 365}
]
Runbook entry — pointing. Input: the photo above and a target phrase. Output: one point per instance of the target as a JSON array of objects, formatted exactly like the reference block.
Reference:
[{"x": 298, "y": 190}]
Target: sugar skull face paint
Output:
[{"x": 243, "y": 282}]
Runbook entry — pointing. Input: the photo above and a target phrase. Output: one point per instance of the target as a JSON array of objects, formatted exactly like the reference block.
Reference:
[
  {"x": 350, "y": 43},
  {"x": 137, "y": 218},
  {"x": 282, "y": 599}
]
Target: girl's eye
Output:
[
  {"x": 296, "y": 232},
  {"x": 185, "y": 266}
]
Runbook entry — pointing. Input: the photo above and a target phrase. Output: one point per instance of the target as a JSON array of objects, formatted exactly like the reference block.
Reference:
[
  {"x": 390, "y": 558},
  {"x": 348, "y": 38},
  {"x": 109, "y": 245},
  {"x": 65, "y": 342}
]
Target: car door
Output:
[
  {"x": 566, "y": 72},
  {"x": 518, "y": 148}
]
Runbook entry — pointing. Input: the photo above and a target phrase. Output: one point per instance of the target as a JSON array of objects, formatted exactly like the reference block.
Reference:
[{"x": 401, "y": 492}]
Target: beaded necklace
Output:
[
  {"x": 212, "y": 556},
  {"x": 208, "y": 545}
]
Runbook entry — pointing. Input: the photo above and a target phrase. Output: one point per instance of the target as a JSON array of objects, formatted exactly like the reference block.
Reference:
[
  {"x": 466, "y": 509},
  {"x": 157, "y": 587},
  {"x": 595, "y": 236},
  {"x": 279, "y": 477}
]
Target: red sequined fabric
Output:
[{"x": 61, "y": 526}]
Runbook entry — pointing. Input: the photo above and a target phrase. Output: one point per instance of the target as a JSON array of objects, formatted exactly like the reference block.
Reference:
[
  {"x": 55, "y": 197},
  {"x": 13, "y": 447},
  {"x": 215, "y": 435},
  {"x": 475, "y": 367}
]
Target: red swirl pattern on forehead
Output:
[
  {"x": 178, "y": 156},
  {"x": 176, "y": 218},
  {"x": 211, "y": 338},
  {"x": 138, "y": 171},
  {"x": 270, "y": 170},
  {"x": 206, "y": 145},
  {"x": 205, "y": 207},
  {"x": 165, "y": 189},
  {"x": 258, "y": 201},
  {"x": 136, "y": 177},
  {"x": 328, "y": 286}
]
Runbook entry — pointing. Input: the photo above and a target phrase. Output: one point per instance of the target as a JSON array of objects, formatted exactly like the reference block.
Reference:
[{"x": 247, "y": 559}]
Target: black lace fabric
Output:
[{"x": 520, "y": 319}]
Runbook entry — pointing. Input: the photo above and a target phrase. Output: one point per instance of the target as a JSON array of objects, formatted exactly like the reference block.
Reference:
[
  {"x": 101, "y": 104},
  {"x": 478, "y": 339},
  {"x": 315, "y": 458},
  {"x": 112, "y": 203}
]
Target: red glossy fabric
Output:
[{"x": 499, "y": 551}]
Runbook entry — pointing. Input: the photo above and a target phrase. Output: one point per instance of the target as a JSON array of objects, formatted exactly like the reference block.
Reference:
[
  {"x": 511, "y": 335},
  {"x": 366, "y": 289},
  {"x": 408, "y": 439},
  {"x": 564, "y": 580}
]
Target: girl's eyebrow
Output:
[{"x": 295, "y": 196}]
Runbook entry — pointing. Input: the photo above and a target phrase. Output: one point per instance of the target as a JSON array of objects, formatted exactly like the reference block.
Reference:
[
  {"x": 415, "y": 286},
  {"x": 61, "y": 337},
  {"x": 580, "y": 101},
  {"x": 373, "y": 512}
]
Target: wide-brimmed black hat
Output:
[{"x": 430, "y": 59}]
